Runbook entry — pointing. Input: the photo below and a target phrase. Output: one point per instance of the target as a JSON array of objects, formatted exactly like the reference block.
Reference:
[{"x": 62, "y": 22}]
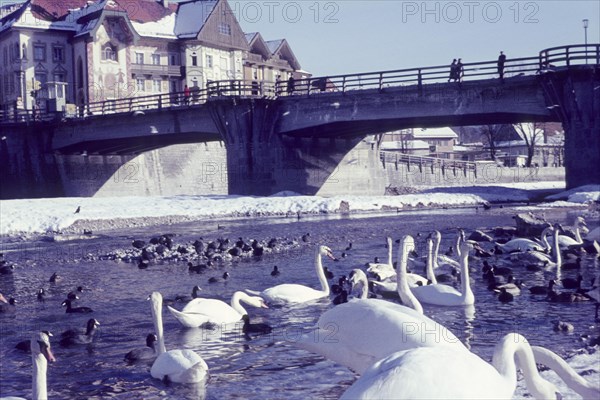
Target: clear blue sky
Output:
[
  {"x": 345, "y": 36},
  {"x": 338, "y": 37}
]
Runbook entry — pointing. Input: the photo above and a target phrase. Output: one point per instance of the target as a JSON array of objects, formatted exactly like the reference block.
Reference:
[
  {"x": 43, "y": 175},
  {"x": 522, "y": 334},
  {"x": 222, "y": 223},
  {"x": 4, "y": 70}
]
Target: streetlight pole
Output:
[{"x": 585, "y": 26}]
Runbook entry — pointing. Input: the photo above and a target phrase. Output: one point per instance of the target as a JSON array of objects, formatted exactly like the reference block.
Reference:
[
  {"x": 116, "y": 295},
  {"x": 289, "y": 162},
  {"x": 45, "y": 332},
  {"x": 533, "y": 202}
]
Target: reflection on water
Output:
[{"x": 263, "y": 367}]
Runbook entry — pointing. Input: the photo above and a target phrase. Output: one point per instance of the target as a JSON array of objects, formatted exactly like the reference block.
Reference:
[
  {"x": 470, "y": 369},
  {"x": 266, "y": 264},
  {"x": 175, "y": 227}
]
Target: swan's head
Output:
[
  {"x": 545, "y": 390},
  {"x": 155, "y": 298},
  {"x": 468, "y": 245},
  {"x": 436, "y": 236},
  {"x": 40, "y": 344},
  {"x": 3, "y": 299},
  {"x": 357, "y": 277},
  {"x": 256, "y": 301},
  {"x": 388, "y": 241},
  {"x": 408, "y": 243},
  {"x": 326, "y": 251}
]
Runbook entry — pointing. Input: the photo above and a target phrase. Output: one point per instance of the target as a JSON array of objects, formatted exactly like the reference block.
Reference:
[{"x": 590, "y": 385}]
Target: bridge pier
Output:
[
  {"x": 262, "y": 162},
  {"x": 575, "y": 96}
]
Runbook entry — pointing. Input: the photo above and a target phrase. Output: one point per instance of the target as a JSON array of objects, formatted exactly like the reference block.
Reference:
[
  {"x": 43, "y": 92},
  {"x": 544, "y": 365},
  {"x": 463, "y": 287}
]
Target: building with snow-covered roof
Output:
[
  {"x": 433, "y": 142},
  {"x": 105, "y": 49},
  {"x": 271, "y": 61}
]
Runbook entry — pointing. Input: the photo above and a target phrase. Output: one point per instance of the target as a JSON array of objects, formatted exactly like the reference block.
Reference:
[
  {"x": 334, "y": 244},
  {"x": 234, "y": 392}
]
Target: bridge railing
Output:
[
  {"x": 413, "y": 76},
  {"x": 547, "y": 60},
  {"x": 395, "y": 158},
  {"x": 578, "y": 54}
]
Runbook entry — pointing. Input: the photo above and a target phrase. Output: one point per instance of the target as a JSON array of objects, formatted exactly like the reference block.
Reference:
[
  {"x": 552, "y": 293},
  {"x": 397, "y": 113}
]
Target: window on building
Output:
[
  {"x": 157, "y": 85},
  {"x": 24, "y": 51},
  {"x": 15, "y": 51},
  {"x": 58, "y": 54},
  {"x": 39, "y": 52},
  {"x": 173, "y": 59},
  {"x": 109, "y": 53},
  {"x": 156, "y": 59},
  {"x": 139, "y": 58},
  {"x": 225, "y": 29},
  {"x": 140, "y": 84},
  {"x": 194, "y": 60},
  {"x": 59, "y": 77},
  {"x": 209, "y": 61}
]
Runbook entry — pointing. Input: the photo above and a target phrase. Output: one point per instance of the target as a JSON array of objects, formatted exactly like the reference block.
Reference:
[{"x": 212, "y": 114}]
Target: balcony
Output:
[{"x": 152, "y": 69}]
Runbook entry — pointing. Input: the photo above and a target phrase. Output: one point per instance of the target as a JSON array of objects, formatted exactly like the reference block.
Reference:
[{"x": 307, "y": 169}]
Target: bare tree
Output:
[
  {"x": 491, "y": 134},
  {"x": 531, "y": 133}
]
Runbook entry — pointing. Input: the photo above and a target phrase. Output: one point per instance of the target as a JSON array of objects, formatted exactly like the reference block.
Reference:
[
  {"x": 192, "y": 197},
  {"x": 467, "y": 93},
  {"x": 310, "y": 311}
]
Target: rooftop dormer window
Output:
[
  {"x": 109, "y": 53},
  {"x": 225, "y": 29}
]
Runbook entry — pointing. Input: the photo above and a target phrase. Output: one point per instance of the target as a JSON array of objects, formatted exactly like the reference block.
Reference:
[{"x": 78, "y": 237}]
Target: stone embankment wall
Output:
[{"x": 185, "y": 169}]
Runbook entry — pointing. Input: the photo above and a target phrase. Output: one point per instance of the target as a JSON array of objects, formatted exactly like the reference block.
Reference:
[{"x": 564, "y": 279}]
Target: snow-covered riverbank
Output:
[{"x": 100, "y": 213}]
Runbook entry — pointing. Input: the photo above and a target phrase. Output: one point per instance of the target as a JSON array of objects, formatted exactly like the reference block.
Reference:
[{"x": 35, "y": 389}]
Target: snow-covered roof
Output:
[
  {"x": 192, "y": 16},
  {"x": 250, "y": 36},
  {"x": 148, "y": 17},
  {"x": 408, "y": 144},
  {"x": 163, "y": 28},
  {"x": 434, "y": 133},
  {"x": 274, "y": 44}
]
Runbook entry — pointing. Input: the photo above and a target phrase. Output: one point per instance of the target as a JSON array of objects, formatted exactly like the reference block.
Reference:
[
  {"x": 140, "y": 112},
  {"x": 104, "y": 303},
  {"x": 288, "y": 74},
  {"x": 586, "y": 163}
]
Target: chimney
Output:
[{"x": 165, "y": 3}]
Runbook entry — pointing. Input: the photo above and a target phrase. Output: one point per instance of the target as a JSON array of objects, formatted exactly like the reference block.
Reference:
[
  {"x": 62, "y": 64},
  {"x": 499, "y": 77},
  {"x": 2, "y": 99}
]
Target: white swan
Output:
[
  {"x": 565, "y": 241},
  {"x": 200, "y": 311},
  {"x": 358, "y": 333},
  {"x": 180, "y": 366},
  {"x": 584, "y": 388},
  {"x": 523, "y": 244},
  {"x": 389, "y": 286},
  {"x": 448, "y": 373},
  {"x": 444, "y": 295},
  {"x": 553, "y": 259},
  {"x": 294, "y": 293},
  {"x": 383, "y": 271},
  {"x": 441, "y": 262},
  {"x": 41, "y": 354}
]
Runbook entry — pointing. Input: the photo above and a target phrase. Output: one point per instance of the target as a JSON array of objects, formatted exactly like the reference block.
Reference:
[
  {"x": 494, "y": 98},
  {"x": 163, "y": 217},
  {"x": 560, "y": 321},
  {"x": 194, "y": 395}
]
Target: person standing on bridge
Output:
[
  {"x": 501, "y": 61},
  {"x": 291, "y": 85},
  {"x": 186, "y": 95},
  {"x": 452, "y": 71},
  {"x": 460, "y": 71}
]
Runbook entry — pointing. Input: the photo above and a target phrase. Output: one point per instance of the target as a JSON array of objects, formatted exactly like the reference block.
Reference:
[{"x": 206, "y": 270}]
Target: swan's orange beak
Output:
[
  {"x": 264, "y": 305},
  {"x": 330, "y": 255},
  {"x": 48, "y": 354}
]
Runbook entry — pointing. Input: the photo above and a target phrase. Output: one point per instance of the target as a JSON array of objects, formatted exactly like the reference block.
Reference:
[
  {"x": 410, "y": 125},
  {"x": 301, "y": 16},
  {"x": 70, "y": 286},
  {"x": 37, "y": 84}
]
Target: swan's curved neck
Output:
[
  {"x": 556, "y": 249},
  {"x": 465, "y": 283},
  {"x": 364, "y": 287},
  {"x": 158, "y": 324},
  {"x": 321, "y": 273},
  {"x": 573, "y": 380},
  {"x": 390, "y": 254},
  {"x": 40, "y": 367},
  {"x": 457, "y": 245},
  {"x": 544, "y": 238},
  {"x": 430, "y": 261},
  {"x": 511, "y": 346},
  {"x": 436, "y": 250},
  {"x": 235, "y": 302},
  {"x": 406, "y": 295},
  {"x": 578, "y": 234}
]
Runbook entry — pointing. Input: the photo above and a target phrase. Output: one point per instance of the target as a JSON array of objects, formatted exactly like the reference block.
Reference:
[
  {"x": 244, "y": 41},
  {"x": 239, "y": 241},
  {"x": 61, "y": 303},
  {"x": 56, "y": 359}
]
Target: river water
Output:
[{"x": 265, "y": 367}]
